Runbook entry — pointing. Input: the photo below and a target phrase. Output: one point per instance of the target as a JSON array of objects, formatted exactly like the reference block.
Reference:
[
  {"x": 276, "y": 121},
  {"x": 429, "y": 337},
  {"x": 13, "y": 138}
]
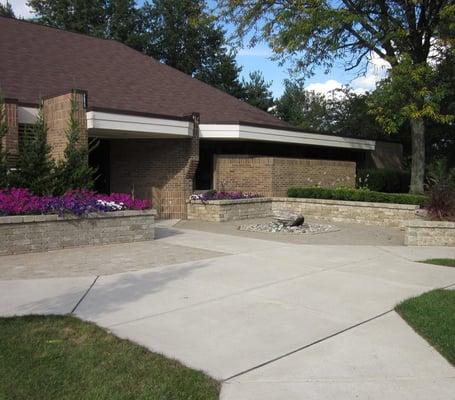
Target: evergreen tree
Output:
[
  {"x": 182, "y": 34},
  {"x": 6, "y": 10},
  {"x": 35, "y": 167},
  {"x": 3, "y": 132},
  {"x": 74, "y": 171},
  {"x": 257, "y": 92}
]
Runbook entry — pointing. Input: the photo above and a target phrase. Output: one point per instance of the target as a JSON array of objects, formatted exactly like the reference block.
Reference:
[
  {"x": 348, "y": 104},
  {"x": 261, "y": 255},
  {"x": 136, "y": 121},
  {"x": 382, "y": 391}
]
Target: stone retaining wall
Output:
[
  {"x": 330, "y": 210},
  {"x": 32, "y": 233},
  {"x": 384, "y": 214},
  {"x": 229, "y": 210},
  {"x": 429, "y": 233}
]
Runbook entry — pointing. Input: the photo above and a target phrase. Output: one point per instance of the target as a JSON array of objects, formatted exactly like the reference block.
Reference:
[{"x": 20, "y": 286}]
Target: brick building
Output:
[{"x": 162, "y": 134}]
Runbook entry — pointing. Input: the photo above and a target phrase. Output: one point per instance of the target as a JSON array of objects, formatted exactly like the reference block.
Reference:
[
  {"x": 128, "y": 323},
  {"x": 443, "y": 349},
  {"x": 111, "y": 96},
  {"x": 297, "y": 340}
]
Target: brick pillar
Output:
[
  {"x": 10, "y": 140},
  {"x": 171, "y": 200},
  {"x": 56, "y": 112}
]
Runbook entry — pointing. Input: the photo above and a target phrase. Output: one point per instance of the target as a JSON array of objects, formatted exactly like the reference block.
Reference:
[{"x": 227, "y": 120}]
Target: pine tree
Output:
[
  {"x": 35, "y": 167},
  {"x": 3, "y": 131},
  {"x": 74, "y": 171}
]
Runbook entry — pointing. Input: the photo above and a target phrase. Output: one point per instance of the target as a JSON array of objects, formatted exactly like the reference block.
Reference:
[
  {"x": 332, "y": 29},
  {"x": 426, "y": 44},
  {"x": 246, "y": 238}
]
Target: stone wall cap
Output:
[
  {"x": 19, "y": 219},
  {"x": 347, "y": 203},
  {"x": 419, "y": 223}
]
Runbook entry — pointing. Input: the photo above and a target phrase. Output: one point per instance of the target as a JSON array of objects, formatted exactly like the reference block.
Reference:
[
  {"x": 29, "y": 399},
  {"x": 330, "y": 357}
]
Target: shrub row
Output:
[
  {"x": 384, "y": 180},
  {"x": 355, "y": 195}
]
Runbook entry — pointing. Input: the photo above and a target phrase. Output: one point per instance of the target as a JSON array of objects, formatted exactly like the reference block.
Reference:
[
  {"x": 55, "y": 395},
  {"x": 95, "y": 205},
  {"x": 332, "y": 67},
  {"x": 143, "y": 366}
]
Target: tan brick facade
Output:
[
  {"x": 56, "y": 112},
  {"x": 272, "y": 176},
  {"x": 10, "y": 141}
]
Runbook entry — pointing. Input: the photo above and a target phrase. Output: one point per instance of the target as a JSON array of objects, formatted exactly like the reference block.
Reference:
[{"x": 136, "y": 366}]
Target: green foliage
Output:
[
  {"x": 344, "y": 112},
  {"x": 384, "y": 180},
  {"x": 317, "y": 33},
  {"x": 445, "y": 262},
  {"x": 256, "y": 91},
  {"x": 74, "y": 171},
  {"x": 441, "y": 190},
  {"x": 35, "y": 168},
  {"x": 6, "y": 10},
  {"x": 61, "y": 357},
  {"x": 410, "y": 92},
  {"x": 355, "y": 195},
  {"x": 3, "y": 155},
  {"x": 74, "y": 15},
  {"x": 432, "y": 315}
]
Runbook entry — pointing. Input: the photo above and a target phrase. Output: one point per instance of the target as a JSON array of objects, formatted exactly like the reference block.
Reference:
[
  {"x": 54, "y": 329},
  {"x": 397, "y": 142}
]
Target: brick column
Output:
[
  {"x": 10, "y": 140},
  {"x": 56, "y": 112}
]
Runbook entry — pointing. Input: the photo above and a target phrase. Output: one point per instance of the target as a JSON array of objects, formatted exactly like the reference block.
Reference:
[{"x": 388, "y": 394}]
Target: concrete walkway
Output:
[{"x": 273, "y": 320}]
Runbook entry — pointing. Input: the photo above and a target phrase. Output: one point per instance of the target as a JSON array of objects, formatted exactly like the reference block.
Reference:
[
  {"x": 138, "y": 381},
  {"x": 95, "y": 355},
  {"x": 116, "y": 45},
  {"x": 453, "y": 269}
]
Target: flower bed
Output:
[
  {"x": 216, "y": 195},
  {"x": 40, "y": 223},
  {"x": 77, "y": 202}
]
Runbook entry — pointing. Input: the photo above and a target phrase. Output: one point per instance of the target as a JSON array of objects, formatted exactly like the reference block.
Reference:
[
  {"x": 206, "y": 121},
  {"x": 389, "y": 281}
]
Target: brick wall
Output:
[
  {"x": 56, "y": 112},
  {"x": 272, "y": 176},
  {"x": 32, "y": 233},
  {"x": 157, "y": 169},
  {"x": 10, "y": 141}
]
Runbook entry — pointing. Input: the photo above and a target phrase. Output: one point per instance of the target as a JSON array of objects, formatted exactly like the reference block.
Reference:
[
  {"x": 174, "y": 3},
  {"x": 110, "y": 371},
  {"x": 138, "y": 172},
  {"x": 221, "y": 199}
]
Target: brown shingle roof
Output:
[{"x": 38, "y": 61}]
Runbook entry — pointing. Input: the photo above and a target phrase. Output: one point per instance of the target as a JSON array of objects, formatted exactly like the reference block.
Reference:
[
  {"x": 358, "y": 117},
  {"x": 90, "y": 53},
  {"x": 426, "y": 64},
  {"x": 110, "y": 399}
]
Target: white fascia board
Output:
[
  {"x": 132, "y": 123},
  {"x": 245, "y": 132},
  {"x": 27, "y": 115}
]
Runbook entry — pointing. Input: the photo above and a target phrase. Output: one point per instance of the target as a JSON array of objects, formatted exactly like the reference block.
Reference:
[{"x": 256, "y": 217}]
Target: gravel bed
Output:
[{"x": 277, "y": 227}]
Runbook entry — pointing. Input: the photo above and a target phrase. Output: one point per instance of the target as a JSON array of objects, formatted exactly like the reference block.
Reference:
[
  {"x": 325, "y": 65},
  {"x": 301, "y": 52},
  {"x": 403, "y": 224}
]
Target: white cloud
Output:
[
  {"x": 20, "y": 7},
  {"x": 376, "y": 70},
  {"x": 324, "y": 88}
]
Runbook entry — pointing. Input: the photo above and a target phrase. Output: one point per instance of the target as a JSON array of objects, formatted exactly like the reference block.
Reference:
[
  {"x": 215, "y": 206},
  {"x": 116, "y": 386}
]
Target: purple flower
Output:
[
  {"x": 18, "y": 201},
  {"x": 215, "y": 195}
]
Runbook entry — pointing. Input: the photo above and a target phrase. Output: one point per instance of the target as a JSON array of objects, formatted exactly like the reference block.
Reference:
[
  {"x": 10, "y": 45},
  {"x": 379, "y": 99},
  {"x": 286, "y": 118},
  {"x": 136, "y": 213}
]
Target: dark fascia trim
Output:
[
  {"x": 8, "y": 100},
  {"x": 141, "y": 114}
]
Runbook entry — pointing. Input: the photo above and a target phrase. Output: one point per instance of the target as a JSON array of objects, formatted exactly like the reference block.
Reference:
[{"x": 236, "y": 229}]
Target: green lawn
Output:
[
  {"x": 447, "y": 262},
  {"x": 63, "y": 358},
  {"x": 432, "y": 315}
]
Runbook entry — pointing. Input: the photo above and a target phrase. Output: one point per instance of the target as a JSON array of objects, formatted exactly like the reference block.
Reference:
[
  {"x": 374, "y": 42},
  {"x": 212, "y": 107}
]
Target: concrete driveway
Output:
[{"x": 273, "y": 320}]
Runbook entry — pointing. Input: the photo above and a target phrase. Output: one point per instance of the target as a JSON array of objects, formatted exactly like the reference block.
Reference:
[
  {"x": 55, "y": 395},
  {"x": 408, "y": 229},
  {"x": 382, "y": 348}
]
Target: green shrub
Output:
[
  {"x": 384, "y": 180},
  {"x": 355, "y": 195}
]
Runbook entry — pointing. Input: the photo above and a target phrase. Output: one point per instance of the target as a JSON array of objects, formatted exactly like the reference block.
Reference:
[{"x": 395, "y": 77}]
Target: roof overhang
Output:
[
  {"x": 247, "y": 132},
  {"x": 113, "y": 125}
]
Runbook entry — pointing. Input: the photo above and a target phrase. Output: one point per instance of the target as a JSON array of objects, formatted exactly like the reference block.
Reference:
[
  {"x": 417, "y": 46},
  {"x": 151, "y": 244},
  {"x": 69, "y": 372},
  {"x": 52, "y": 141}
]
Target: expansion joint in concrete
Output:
[{"x": 84, "y": 295}]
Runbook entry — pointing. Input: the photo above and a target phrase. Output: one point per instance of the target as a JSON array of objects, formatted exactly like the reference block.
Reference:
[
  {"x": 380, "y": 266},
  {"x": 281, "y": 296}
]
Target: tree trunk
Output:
[{"x": 418, "y": 155}]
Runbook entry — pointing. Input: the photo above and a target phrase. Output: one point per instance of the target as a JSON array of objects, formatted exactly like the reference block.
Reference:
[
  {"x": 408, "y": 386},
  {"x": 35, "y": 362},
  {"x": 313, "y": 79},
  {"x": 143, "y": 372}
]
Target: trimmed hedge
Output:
[
  {"x": 384, "y": 180},
  {"x": 355, "y": 195}
]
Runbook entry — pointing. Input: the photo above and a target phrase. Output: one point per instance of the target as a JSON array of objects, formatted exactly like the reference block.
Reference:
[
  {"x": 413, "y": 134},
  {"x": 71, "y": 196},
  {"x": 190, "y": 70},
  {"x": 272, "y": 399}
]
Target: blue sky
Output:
[{"x": 259, "y": 58}]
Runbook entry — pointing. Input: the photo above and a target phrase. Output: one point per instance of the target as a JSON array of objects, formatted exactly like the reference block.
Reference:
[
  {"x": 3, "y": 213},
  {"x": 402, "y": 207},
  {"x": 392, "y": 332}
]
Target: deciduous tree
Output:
[{"x": 409, "y": 35}]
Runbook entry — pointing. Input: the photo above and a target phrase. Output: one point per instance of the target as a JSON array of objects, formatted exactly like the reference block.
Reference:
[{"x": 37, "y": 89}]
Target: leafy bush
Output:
[
  {"x": 215, "y": 195},
  {"x": 355, "y": 195},
  {"x": 441, "y": 190},
  {"x": 77, "y": 202},
  {"x": 384, "y": 180}
]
